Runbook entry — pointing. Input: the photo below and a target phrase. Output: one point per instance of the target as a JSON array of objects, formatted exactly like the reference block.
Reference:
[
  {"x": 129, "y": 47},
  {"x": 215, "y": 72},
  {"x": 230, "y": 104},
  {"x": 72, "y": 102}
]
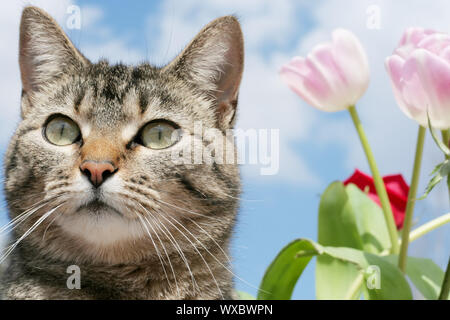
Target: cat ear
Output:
[
  {"x": 214, "y": 62},
  {"x": 45, "y": 52}
]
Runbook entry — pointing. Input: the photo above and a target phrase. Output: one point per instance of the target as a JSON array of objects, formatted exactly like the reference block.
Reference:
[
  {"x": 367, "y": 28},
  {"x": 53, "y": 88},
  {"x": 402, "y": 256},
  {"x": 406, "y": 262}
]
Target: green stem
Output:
[
  {"x": 423, "y": 230},
  {"x": 446, "y": 137},
  {"x": 411, "y": 199},
  {"x": 428, "y": 227},
  {"x": 355, "y": 288},
  {"x": 379, "y": 184},
  {"x": 445, "y": 288}
]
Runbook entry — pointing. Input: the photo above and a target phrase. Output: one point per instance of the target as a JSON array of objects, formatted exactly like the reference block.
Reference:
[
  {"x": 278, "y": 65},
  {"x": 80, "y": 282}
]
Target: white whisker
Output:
[
  {"x": 45, "y": 231},
  {"x": 215, "y": 258},
  {"x": 167, "y": 255},
  {"x": 199, "y": 253},
  {"x": 169, "y": 236},
  {"x": 214, "y": 240},
  {"x": 21, "y": 217},
  {"x": 29, "y": 231},
  {"x": 186, "y": 210},
  {"x": 156, "y": 248}
]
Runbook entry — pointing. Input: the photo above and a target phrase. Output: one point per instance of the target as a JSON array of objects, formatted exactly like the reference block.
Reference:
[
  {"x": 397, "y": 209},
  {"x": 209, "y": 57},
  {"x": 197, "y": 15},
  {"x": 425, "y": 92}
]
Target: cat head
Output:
[{"x": 90, "y": 168}]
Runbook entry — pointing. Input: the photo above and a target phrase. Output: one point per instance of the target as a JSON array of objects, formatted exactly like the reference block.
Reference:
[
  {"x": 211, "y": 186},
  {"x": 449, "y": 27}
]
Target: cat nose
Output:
[{"x": 97, "y": 172}]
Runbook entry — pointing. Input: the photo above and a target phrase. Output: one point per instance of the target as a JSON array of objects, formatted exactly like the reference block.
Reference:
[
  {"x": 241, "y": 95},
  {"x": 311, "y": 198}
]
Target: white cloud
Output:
[
  {"x": 264, "y": 20},
  {"x": 114, "y": 50},
  {"x": 101, "y": 41},
  {"x": 10, "y": 86},
  {"x": 264, "y": 101},
  {"x": 90, "y": 16}
]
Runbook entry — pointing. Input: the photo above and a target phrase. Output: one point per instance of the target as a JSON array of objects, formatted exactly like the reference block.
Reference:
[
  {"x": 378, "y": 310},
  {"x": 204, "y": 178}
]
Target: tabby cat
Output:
[{"x": 90, "y": 180}]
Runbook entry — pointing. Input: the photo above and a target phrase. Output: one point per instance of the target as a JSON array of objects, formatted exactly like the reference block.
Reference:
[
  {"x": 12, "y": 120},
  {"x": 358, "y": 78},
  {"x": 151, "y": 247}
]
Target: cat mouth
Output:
[{"x": 98, "y": 207}]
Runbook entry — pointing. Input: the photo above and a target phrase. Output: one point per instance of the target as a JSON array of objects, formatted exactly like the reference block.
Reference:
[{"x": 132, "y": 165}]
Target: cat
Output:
[{"x": 98, "y": 208}]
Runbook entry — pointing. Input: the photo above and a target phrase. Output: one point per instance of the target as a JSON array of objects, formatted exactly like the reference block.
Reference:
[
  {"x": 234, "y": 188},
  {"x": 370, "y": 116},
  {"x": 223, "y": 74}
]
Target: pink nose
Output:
[{"x": 97, "y": 172}]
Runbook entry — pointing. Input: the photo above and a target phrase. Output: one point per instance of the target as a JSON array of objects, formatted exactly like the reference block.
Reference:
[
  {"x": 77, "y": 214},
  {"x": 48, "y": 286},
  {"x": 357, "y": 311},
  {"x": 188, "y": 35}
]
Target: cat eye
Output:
[
  {"x": 159, "y": 134},
  {"x": 62, "y": 131}
]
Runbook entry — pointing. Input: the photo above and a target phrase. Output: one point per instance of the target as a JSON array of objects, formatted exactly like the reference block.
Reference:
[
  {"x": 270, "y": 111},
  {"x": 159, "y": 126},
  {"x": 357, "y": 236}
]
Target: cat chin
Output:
[{"x": 102, "y": 228}]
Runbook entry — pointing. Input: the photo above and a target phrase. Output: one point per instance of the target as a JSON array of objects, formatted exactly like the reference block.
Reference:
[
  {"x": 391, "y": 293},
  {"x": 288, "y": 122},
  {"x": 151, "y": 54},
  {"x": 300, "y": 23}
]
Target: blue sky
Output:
[{"x": 315, "y": 148}]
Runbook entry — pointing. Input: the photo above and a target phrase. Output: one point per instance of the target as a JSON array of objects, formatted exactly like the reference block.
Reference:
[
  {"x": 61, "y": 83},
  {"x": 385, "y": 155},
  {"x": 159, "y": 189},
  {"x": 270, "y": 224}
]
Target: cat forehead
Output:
[
  {"x": 109, "y": 95},
  {"x": 121, "y": 90},
  {"x": 117, "y": 92}
]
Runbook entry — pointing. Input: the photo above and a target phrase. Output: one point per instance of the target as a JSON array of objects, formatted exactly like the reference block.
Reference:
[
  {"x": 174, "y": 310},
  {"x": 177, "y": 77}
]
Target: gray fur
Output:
[{"x": 196, "y": 203}]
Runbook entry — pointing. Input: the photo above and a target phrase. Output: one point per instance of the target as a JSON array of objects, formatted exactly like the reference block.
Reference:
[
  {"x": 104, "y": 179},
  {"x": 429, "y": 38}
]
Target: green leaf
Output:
[
  {"x": 337, "y": 223},
  {"x": 370, "y": 221},
  {"x": 244, "y": 295},
  {"x": 284, "y": 272},
  {"x": 347, "y": 218},
  {"x": 439, "y": 143},
  {"x": 424, "y": 273},
  {"x": 282, "y": 275},
  {"x": 338, "y": 228},
  {"x": 334, "y": 278},
  {"x": 392, "y": 283},
  {"x": 441, "y": 171}
]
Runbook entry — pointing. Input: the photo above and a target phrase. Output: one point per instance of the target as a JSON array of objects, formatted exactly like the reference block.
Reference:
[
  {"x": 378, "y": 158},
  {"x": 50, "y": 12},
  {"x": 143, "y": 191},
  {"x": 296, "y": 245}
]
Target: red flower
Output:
[{"x": 396, "y": 187}]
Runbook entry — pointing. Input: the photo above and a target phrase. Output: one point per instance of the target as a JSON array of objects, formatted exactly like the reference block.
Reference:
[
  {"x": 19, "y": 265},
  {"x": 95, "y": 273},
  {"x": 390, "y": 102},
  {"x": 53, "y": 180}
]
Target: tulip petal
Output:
[
  {"x": 396, "y": 188},
  {"x": 333, "y": 76},
  {"x": 352, "y": 59},
  {"x": 420, "y": 76},
  {"x": 413, "y": 35},
  {"x": 397, "y": 185},
  {"x": 445, "y": 54},
  {"x": 322, "y": 60},
  {"x": 304, "y": 81},
  {"x": 407, "y": 91},
  {"x": 410, "y": 39},
  {"x": 435, "y": 43},
  {"x": 414, "y": 92},
  {"x": 434, "y": 73}
]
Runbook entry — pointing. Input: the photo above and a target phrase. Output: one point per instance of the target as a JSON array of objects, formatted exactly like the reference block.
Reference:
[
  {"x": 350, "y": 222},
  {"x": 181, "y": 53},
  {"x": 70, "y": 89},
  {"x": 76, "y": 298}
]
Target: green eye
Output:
[
  {"x": 159, "y": 135},
  {"x": 62, "y": 131}
]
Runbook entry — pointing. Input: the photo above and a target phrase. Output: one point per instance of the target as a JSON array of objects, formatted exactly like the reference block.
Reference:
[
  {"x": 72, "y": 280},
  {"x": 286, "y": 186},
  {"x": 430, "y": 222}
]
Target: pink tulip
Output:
[
  {"x": 333, "y": 76},
  {"x": 420, "y": 75}
]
